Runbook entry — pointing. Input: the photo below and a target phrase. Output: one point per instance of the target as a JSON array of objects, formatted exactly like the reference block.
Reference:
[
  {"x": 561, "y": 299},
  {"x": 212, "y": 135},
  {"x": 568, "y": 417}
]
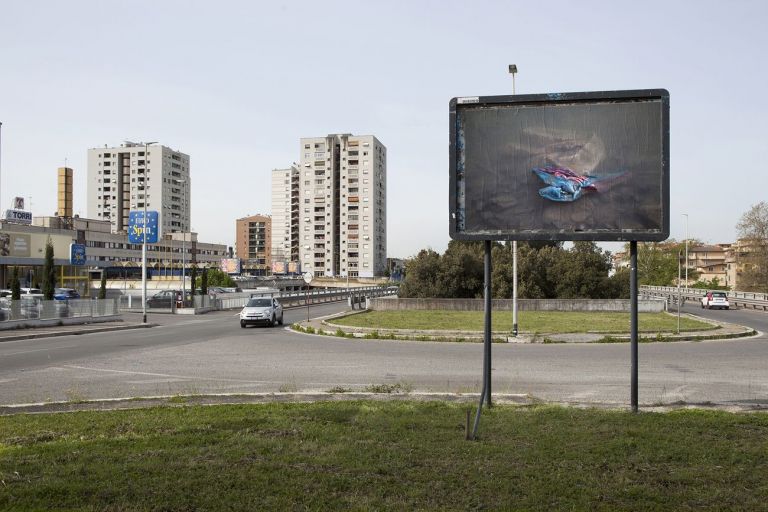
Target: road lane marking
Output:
[{"x": 167, "y": 375}]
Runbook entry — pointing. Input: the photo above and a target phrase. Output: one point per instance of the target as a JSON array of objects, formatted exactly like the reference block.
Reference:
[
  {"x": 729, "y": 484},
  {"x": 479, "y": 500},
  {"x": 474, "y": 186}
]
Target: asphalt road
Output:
[{"x": 212, "y": 354}]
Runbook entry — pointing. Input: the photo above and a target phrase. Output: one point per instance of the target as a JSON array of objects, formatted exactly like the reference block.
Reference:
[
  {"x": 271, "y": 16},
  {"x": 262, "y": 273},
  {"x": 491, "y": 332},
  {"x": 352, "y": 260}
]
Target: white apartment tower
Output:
[
  {"x": 285, "y": 214},
  {"x": 343, "y": 206},
  {"x": 121, "y": 179}
]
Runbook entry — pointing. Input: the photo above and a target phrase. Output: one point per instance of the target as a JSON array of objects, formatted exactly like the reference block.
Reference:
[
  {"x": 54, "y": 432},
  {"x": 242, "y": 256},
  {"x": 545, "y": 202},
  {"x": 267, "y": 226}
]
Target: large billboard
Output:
[
  {"x": 568, "y": 166},
  {"x": 230, "y": 265}
]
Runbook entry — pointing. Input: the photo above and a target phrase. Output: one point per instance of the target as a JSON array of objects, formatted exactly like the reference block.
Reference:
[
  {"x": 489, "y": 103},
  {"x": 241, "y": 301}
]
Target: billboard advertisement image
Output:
[
  {"x": 230, "y": 265},
  {"x": 571, "y": 166}
]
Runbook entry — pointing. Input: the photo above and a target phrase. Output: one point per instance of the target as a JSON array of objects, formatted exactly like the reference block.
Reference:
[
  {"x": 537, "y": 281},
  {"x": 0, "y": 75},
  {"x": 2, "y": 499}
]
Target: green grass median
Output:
[
  {"x": 383, "y": 456},
  {"x": 529, "y": 321}
]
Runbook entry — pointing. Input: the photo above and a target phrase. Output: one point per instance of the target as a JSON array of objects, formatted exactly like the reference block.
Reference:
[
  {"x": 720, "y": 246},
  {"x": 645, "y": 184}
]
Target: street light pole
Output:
[
  {"x": 513, "y": 72},
  {"x": 686, "y": 249},
  {"x": 184, "y": 243}
]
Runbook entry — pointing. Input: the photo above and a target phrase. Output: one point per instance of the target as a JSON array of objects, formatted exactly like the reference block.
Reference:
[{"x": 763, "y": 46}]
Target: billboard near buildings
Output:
[
  {"x": 294, "y": 267},
  {"x": 15, "y": 245},
  {"x": 136, "y": 226},
  {"x": 278, "y": 267},
  {"x": 230, "y": 265},
  {"x": 571, "y": 166}
]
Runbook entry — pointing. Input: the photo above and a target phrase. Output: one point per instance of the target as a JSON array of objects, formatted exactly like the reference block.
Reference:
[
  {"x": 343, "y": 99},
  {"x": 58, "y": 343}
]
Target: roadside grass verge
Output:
[
  {"x": 531, "y": 321},
  {"x": 383, "y": 455}
]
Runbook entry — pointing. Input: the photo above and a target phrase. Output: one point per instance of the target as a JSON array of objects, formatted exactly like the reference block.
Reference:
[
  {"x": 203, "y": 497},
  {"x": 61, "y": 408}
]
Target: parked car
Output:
[
  {"x": 164, "y": 299},
  {"x": 65, "y": 294},
  {"x": 35, "y": 292},
  {"x": 715, "y": 299},
  {"x": 261, "y": 310}
]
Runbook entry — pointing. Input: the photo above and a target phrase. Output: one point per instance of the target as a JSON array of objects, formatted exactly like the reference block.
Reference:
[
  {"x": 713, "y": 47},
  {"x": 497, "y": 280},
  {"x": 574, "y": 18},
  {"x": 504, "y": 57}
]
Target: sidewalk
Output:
[
  {"x": 725, "y": 331},
  {"x": 69, "y": 330}
]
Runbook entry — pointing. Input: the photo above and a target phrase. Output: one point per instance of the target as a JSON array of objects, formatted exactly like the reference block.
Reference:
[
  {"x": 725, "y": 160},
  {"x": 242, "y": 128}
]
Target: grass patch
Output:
[
  {"x": 536, "y": 321},
  {"x": 382, "y": 456}
]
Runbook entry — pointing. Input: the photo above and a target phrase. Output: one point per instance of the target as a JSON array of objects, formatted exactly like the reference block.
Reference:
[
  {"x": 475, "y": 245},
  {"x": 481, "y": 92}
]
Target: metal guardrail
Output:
[
  {"x": 748, "y": 300},
  {"x": 355, "y": 297},
  {"x": 38, "y": 309}
]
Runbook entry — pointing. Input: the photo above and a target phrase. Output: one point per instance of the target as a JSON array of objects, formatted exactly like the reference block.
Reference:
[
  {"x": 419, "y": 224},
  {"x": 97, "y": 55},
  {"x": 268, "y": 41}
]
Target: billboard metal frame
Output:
[{"x": 473, "y": 102}]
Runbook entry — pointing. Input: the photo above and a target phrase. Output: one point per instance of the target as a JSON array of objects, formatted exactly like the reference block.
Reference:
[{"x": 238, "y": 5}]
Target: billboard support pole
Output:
[
  {"x": 485, "y": 395},
  {"x": 487, "y": 333},
  {"x": 633, "y": 319}
]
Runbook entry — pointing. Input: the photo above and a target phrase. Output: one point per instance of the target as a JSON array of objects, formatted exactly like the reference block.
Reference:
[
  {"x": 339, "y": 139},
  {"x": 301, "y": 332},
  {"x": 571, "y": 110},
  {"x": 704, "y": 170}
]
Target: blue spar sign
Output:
[{"x": 136, "y": 227}]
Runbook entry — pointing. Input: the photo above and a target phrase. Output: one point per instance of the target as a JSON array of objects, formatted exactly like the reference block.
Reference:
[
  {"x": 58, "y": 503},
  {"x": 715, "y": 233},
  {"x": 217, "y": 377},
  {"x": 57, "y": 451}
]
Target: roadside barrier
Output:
[
  {"x": 16, "y": 312},
  {"x": 355, "y": 297},
  {"x": 747, "y": 300}
]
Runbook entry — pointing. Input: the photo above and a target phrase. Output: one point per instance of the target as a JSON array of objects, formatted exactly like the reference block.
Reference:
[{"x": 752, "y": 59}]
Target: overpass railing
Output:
[
  {"x": 749, "y": 300},
  {"x": 355, "y": 297}
]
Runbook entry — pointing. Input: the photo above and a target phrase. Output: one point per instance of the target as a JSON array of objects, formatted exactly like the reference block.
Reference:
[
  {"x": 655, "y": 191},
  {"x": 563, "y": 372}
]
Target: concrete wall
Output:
[{"x": 393, "y": 303}]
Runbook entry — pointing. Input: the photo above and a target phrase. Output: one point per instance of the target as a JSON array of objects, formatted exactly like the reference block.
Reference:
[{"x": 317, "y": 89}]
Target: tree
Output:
[
  {"x": 49, "y": 272},
  {"x": 752, "y": 257},
  {"x": 193, "y": 274},
  {"x": 204, "y": 282},
  {"x": 421, "y": 275},
  {"x": 712, "y": 284},
  {"x": 461, "y": 270},
  {"x": 218, "y": 278},
  {"x": 15, "y": 284},
  {"x": 103, "y": 285}
]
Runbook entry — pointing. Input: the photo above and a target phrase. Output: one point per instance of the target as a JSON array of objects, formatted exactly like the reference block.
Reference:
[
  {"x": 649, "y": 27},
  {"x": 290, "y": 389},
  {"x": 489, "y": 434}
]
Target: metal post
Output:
[
  {"x": 487, "y": 333},
  {"x": 486, "y": 392},
  {"x": 306, "y": 299},
  {"x": 686, "y": 250},
  {"x": 633, "y": 320},
  {"x": 184, "y": 248},
  {"x": 514, "y": 286},
  {"x": 513, "y": 72},
  {"x": 679, "y": 265}
]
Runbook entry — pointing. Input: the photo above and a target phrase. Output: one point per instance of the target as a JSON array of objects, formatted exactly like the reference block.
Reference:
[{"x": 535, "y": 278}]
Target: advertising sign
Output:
[
  {"x": 278, "y": 267},
  {"x": 18, "y": 203},
  {"x": 136, "y": 227},
  {"x": 15, "y": 245},
  {"x": 18, "y": 216},
  {"x": 570, "y": 166},
  {"x": 230, "y": 265},
  {"x": 294, "y": 267},
  {"x": 77, "y": 254}
]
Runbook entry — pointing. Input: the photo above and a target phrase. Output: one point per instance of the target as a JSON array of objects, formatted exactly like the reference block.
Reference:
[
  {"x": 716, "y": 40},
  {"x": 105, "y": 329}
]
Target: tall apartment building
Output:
[
  {"x": 343, "y": 206},
  {"x": 121, "y": 179},
  {"x": 285, "y": 214},
  {"x": 254, "y": 241}
]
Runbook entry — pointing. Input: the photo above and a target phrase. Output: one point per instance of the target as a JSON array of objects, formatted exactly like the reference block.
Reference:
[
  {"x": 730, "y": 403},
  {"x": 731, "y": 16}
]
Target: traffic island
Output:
[{"x": 661, "y": 328}]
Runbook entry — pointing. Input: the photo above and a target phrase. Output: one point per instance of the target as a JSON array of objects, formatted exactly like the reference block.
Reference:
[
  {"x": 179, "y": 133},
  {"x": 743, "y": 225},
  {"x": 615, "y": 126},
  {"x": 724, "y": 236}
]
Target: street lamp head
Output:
[{"x": 513, "y": 68}]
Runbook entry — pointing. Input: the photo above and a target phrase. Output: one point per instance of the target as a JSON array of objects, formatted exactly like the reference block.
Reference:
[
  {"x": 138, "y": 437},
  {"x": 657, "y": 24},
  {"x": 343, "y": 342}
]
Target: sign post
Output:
[
  {"x": 307, "y": 279},
  {"x": 142, "y": 229}
]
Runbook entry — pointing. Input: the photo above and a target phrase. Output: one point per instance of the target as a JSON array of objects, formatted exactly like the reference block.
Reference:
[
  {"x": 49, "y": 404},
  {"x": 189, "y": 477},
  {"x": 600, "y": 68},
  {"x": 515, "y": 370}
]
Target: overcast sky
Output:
[{"x": 236, "y": 84}]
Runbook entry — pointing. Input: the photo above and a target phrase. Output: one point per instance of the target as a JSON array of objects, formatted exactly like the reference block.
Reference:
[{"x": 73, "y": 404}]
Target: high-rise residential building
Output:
[
  {"x": 65, "y": 192},
  {"x": 285, "y": 214},
  {"x": 254, "y": 242},
  {"x": 343, "y": 206},
  {"x": 121, "y": 179}
]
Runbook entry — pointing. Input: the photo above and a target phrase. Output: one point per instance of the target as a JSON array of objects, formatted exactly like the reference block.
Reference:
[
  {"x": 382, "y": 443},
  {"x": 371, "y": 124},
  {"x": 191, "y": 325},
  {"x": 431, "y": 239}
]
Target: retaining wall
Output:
[{"x": 393, "y": 303}]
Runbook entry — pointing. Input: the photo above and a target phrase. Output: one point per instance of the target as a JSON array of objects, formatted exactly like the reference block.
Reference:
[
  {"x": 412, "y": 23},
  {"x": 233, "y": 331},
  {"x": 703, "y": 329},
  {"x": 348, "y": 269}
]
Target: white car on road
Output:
[
  {"x": 715, "y": 300},
  {"x": 261, "y": 310}
]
